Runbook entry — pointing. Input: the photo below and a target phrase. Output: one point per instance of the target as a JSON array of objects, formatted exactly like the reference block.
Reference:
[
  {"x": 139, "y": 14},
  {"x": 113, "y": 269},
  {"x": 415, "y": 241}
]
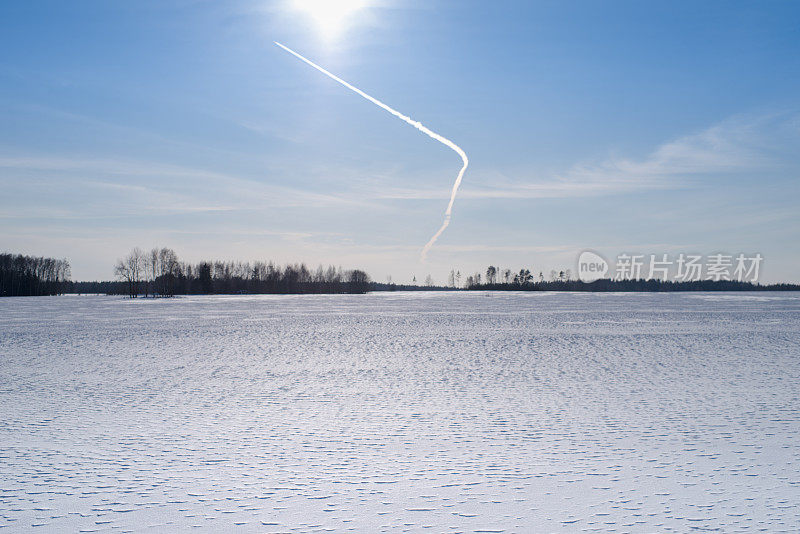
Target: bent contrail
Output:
[{"x": 415, "y": 124}]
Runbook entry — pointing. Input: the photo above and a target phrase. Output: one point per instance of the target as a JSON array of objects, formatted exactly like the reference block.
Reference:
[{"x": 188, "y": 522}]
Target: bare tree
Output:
[
  {"x": 524, "y": 277},
  {"x": 168, "y": 267},
  {"x": 491, "y": 274},
  {"x": 129, "y": 270},
  {"x": 152, "y": 271},
  {"x": 358, "y": 281}
]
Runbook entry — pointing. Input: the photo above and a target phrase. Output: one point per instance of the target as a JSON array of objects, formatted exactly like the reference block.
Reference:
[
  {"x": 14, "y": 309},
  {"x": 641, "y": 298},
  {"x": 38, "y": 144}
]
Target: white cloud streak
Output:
[{"x": 416, "y": 124}]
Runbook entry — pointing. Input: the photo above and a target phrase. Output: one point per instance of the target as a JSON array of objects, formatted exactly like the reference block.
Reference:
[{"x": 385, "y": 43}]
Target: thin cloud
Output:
[
  {"x": 170, "y": 188},
  {"x": 739, "y": 145}
]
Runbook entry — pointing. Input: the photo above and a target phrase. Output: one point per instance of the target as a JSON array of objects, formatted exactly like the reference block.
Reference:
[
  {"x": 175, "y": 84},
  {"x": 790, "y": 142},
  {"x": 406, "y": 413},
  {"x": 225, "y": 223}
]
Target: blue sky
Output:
[{"x": 614, "y": 126}]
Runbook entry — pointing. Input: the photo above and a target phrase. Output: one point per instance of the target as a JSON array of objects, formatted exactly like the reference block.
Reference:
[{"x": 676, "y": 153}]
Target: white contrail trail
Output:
[{"x": 415, "y": 124}]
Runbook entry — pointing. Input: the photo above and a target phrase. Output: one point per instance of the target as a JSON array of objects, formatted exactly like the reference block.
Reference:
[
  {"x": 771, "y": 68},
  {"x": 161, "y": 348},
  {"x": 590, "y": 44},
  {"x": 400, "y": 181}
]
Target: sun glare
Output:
[{"x": 330, "y": 16}]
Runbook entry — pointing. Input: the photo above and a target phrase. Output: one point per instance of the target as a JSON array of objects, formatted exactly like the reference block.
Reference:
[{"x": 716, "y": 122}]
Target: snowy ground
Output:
[{"x": 457, "y": 412}]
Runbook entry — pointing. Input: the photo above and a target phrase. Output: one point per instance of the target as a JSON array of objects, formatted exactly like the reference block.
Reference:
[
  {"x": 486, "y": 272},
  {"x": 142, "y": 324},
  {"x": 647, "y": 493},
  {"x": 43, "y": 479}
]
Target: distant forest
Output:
[
  {"x": 653, "y": 285},
  {"x": 26, "y": 276},
  {"x": 160, "y": 273},
  {"x": 506, "y": 280}
]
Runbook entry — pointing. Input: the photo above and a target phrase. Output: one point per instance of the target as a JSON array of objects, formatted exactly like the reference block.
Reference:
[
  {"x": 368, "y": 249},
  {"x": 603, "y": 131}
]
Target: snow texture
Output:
[{"x": 435, "y": 412}]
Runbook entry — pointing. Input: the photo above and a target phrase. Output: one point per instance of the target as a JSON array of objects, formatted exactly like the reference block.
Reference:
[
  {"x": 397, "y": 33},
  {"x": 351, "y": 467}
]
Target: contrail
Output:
[{"x": 415, "y": 124}]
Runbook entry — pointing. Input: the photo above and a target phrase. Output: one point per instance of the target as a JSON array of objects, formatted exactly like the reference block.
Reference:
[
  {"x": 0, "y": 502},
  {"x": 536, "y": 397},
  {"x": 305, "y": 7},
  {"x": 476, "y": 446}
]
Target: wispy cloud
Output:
[
  {"x": 744, "y": 144},
  {"x": 145, "y": 186}
]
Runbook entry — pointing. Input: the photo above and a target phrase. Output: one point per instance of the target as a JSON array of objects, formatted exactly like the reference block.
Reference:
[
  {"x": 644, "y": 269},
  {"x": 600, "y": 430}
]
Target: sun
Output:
[{"x": 330, "y": 16}]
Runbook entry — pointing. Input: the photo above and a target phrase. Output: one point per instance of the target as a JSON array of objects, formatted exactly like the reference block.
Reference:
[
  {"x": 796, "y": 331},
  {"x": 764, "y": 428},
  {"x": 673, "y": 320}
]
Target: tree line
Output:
[
  {"x": 561, "y": 280},
  {"x": 32, "y": 276},
  {"x": 496, "y": 276},
  {"x": 159, "y": 272}
]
